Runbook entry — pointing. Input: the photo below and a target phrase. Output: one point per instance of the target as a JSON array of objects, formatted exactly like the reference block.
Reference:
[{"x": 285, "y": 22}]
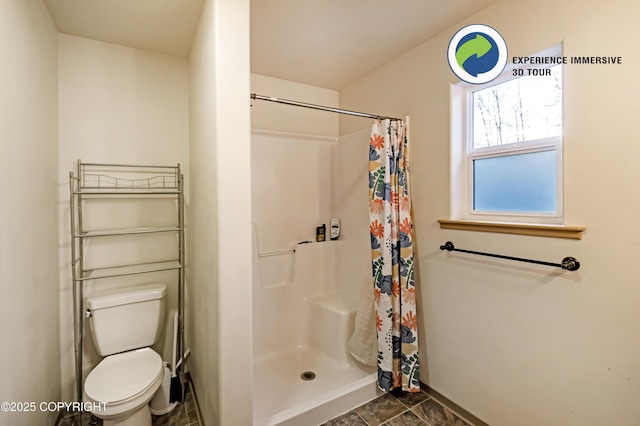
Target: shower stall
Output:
[{"x": 306, "y": 293}]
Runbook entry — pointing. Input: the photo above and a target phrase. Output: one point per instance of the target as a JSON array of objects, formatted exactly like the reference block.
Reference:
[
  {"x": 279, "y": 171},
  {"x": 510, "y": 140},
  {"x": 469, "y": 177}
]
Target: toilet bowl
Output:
[
  {"x": 124, "y": 324},
  {"x": 124, "y": 384}
]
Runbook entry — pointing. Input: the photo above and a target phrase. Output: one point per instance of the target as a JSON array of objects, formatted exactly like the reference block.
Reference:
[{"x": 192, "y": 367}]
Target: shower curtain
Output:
[{"x": 392, "y": 260}]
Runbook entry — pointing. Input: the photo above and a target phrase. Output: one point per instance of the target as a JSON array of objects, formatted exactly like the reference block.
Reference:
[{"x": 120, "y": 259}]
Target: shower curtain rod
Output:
[{"x": 321, "y": 107}]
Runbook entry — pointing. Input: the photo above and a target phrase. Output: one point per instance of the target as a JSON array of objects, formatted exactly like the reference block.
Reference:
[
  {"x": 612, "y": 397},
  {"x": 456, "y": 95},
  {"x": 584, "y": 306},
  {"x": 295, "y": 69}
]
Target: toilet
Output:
[{"x": 124, "y": 323}]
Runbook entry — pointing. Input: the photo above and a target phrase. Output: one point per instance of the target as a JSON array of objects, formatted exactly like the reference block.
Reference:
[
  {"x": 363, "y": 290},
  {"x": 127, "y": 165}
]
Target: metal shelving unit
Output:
[{"x": 97, "y": 180}]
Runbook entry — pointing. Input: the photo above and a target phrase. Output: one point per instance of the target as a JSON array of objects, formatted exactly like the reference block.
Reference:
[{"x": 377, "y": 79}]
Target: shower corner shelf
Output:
[{"x": 91, "y": 180}]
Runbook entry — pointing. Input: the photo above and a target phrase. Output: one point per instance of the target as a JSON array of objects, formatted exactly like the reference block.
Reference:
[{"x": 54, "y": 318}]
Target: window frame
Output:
[{"x": 463, "y": 154}]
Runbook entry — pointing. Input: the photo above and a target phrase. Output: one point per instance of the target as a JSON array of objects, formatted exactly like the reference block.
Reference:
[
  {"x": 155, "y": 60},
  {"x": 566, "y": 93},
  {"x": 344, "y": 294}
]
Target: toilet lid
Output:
[{"x": 122, "y": 376}]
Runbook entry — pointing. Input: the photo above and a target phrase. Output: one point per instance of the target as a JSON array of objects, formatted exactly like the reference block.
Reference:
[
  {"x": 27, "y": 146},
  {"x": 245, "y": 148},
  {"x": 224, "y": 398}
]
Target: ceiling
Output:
[
  {"x": 162, "y": 26},
  {"x": 326, "y": 43},
  {"x": 330, "y": 43}
]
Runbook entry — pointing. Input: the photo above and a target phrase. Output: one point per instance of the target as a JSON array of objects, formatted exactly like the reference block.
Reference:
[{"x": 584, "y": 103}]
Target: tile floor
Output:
[
  {"x": 183, "y": 415},
  {"x": 391, "y": 409},
  {"x": 400, "y": 409}
]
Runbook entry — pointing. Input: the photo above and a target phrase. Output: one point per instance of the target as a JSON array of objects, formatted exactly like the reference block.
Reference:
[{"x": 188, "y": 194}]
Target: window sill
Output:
[{"x": 554, "y": 231}]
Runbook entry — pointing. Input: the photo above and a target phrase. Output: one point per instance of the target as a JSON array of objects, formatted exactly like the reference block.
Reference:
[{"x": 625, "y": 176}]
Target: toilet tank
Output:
[{"x": 126, "y": 319}]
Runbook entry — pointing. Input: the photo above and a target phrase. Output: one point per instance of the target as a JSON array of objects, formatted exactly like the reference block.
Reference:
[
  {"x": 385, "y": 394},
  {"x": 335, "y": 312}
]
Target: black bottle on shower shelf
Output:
[{"x": 321, "y": 232}]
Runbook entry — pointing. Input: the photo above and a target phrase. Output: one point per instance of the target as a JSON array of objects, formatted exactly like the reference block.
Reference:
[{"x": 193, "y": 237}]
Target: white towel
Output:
[{"x": 363, "y": 345}]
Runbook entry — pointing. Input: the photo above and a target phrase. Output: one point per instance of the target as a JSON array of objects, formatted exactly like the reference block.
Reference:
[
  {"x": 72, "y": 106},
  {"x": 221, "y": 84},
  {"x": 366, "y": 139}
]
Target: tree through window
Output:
[{"x": 518, "y": 110}]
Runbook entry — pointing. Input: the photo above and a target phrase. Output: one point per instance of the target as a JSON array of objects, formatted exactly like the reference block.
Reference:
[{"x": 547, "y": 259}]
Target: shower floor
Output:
[{"x": 280, "y": 394}]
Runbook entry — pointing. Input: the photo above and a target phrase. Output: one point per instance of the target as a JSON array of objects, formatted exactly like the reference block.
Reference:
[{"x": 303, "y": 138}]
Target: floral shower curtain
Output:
[{"x": 392, "y": 256}]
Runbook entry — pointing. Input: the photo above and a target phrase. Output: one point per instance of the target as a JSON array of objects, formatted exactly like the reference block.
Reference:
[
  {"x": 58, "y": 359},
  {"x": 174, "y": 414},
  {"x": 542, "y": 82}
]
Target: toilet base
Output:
[{"x": 142, "y": 417}]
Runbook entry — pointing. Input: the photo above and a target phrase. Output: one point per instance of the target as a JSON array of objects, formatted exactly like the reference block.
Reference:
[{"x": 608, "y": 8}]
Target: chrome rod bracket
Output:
[{"x": 570, "y": 264}]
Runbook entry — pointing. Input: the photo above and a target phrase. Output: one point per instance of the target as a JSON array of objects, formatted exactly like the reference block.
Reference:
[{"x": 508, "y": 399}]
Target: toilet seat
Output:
[{"x": 124, "y": 379}]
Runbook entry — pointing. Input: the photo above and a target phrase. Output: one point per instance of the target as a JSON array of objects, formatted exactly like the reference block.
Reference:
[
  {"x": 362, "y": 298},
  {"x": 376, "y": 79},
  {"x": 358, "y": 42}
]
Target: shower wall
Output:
[
  {"x": 304, "y": 303},
  {"x": 349, "y": 202},
  {"x": 291, "y": 190},
  {"x": 302, "y": 175},
  {"x": 291, "y": 187},
  {"x": 324, "y": 178},
  {"x": 298, "y": 183}
]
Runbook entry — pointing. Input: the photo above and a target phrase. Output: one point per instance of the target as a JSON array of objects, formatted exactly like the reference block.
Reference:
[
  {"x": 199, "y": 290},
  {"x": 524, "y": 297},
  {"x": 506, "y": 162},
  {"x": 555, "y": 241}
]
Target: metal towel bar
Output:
[
  {"x": 276, "y": 253},
  {"x": 568, "y": 263}
]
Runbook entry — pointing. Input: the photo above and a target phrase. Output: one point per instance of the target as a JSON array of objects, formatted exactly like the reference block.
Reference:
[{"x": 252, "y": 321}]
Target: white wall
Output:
[
  {"x": 518, "y": 344},
  {"x": 220, "y": 242},
  {"x": 125, "y": 106},
  {"x": 202, "y": 271},
  {"x": 30, "y": 355},
  {"x": 267, "y": 115}
]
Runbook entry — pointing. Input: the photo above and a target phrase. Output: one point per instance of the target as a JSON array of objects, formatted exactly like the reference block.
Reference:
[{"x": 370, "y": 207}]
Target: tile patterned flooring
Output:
[
  {"x": 391, "y": 409},
  {"x": 400, "y": 409},
  {"x": 184, "y": 414}
]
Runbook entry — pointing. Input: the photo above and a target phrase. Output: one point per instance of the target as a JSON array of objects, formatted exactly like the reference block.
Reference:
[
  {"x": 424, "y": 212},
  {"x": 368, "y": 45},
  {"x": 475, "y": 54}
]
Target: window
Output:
[{"x": 507, "y": 147}]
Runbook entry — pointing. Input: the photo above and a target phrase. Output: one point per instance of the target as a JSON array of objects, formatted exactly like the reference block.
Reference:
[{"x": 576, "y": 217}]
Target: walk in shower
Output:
[{"x": 306, "y": 293}]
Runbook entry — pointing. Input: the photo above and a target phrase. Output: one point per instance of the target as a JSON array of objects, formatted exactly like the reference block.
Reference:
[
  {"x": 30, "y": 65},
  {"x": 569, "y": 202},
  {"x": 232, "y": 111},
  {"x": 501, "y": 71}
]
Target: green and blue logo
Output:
[{"x": 477, "y": 54}]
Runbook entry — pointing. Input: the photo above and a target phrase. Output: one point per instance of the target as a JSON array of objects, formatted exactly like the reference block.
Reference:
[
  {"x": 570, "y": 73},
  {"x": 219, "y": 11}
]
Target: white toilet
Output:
[{"x": 124, "y": 324}]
